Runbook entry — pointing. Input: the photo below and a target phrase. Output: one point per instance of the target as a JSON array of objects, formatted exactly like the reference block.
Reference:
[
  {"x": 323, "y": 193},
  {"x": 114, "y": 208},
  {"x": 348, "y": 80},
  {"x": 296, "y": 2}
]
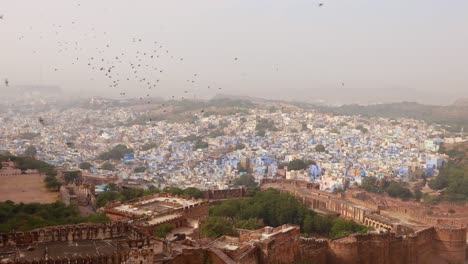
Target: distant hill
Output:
[
  {"x": 34, "y": 89},
  {"x": 219, "y": 97},
  {"x": 455, "y": 115},
  {"x": 461, "y": 102}
]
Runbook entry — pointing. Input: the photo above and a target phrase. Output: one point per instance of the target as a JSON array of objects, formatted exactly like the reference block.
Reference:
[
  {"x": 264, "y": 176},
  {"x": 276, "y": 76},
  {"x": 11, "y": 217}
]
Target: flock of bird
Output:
[
  {"x": 139, "y": 64},
  {"x": 6, "y": 80}
]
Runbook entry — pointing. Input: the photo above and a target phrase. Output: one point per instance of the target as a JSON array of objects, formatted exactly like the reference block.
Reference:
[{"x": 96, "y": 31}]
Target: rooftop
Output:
[{"x": 155, "y": 205}]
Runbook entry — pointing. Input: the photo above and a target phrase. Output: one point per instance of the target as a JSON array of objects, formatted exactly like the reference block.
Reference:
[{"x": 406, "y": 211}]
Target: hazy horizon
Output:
[{"x": 343, "y": 52}]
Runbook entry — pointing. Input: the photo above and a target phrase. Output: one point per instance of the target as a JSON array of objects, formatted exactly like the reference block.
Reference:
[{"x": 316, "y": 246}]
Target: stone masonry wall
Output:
[
  {"x": 70, "y": 233},
  {"x": 224, "y": 194},
  {"x": 136, "y": 247}
]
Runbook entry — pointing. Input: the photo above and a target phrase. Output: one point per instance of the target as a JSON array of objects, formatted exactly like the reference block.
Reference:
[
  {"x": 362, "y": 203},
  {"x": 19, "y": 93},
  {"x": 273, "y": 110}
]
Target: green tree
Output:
[
  {"x": 151, "y": 190},
  {"x": 362, "y": 129},
  {"x": 228, "y": 209},
  {"x": 28, "y": 135},
  {"x": 52, "y": 183},
  {"x": 241, "y": 168},
  {"x": 163, "y": 230},
  {"x": 113, "y": 187},
  {"x": 25, "y": 163},
  {"x": 250, "y": 224},
  {"x": 370, "y": 184},
  {"x": 25, "y": 217},
  {"x": 85, "y": 166},
  {"x": 320, "y": 148},
  {"x": 149, "y": 145},
  {"x": 454, "y": 178},
  {"x": 116, "y": 153},
  {"x": 139, "y": 169},
  {"x": 97, "y": 218},
  {"x": 342, "y": 124},
  {"x": 322, "y": 225},
  {"x": 200, "y": 144},
  {"x": 396, "y": 190},
  {"x": 174, "y": 190},
  {"x": 298, "y": 164},
  {"x": 418, "y": 195},
  {"x": 264, "y": 124},
  {"x": 261, "y": 133},
  {"x": 31, "y": 151},
  {"x": 30, "y": 163},
  {"x": 343, "y": 227},
  {"x": 71, "y": 176},
  {"x": 106, "y": 197},
  {"x": 192, "y": 192},
  {"x": 190, "y": 138},
  {"x": 308, "y": 224},
  {"x": 240, "y": 146},
  {"x": 216, "y": 133},
  {"x": 246, "y": 180},
  {"x": 438, "y": 183},
  {"x": 216, "y": 227},
  {"x": 457, "y": 189},
  {"x": 274, "y": 209},
  {"x": 108, "y": 166},
  {"x": 115, "y": 193}
]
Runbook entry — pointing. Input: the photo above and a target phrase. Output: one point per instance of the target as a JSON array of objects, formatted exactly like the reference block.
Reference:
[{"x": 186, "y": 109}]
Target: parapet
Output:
[
  {"x": 116, "y": 242},
  {"x": 450, "y": 243}
]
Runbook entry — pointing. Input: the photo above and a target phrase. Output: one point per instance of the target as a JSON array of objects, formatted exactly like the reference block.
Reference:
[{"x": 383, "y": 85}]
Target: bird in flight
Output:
[
  {"x": 1, "y": 16},
  {"x": 321, "y": 4},
  {"x": 41, "y": 120},
  {"x": 6, "y": 82}
]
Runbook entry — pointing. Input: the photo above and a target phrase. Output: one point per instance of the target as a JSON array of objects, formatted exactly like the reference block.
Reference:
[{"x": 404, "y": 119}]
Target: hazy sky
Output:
[{"x": 382, "y": 50}]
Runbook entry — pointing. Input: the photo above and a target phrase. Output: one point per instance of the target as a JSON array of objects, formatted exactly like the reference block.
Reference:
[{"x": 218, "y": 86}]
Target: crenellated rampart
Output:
[
  {"x": 123, "y": 244},
  {"x": 71, "y": 233},
  {"x": 444, "y": 240},
  {"x": 430, "y": 245},
  {"x": 225, "y": 194}
]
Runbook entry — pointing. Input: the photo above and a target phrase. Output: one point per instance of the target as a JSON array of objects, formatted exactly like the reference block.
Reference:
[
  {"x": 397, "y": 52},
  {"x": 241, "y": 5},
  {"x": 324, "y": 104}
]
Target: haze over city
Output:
[
  {"x": 332, "y": 51},
  {"x": 233, "y": 132}
]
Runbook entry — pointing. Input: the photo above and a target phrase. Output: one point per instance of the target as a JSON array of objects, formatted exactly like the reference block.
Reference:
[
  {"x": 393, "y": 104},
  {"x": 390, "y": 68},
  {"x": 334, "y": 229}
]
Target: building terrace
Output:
[{"x": 151, "y": 211}]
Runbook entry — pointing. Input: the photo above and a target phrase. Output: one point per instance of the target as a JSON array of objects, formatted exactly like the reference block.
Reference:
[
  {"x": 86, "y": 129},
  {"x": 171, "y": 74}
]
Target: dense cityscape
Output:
[
  {"x": 212, "y": 150},
  {"x": 157, "y": 165}
]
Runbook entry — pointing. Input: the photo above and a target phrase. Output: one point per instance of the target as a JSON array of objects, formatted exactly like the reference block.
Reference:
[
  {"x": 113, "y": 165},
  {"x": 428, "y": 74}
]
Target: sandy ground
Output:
[{"x": 26, "y": 189}]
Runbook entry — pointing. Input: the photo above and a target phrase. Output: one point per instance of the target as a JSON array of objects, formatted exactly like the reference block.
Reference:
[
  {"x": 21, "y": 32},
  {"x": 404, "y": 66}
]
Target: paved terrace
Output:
[{"x": 156, "y": 205}]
